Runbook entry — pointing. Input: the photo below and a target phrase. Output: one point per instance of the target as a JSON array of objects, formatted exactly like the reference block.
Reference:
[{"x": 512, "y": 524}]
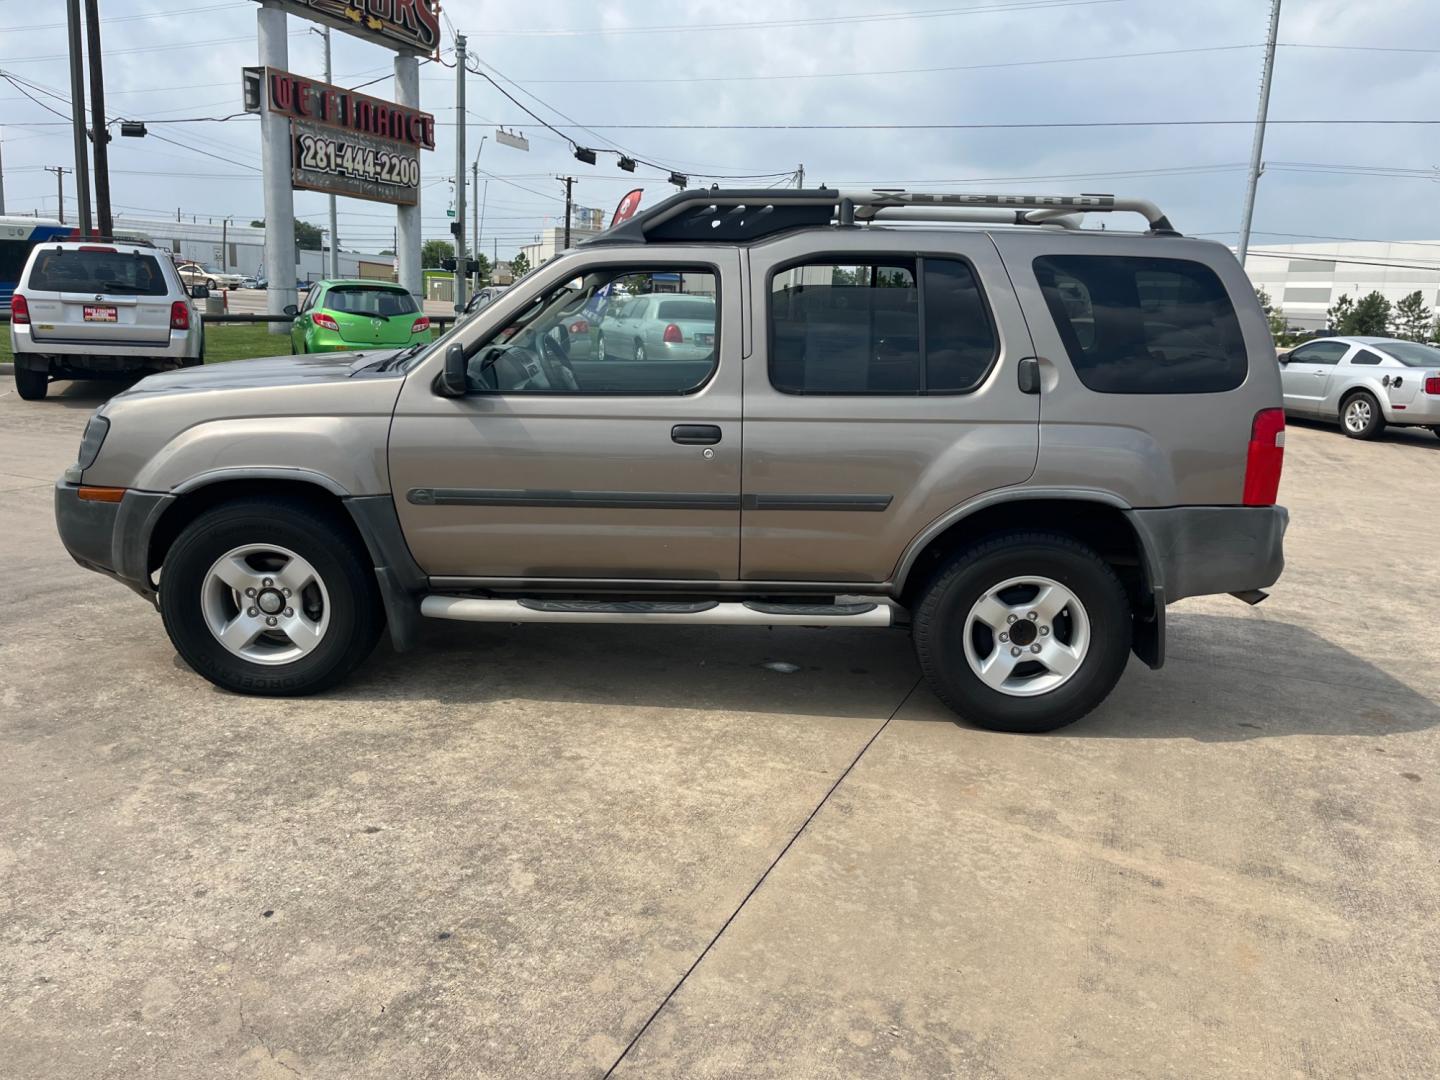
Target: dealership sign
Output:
[
  {"x": 344, "y": 143},
  {"x": 411, "y": 26}
]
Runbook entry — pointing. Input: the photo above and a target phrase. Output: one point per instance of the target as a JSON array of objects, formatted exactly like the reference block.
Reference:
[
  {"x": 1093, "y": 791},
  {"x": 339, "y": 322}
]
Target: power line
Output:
[
  {"x": 773, "y": 24},
  {"x": 1038, "y": 124},
  {"x": 905, "y": 71},
  {"x": 134, "y": 18}
]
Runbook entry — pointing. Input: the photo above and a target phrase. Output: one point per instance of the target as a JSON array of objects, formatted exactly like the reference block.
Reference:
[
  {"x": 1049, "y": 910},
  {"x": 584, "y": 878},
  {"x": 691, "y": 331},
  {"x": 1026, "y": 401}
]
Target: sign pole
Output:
[
  {"x": 334, "y": 235},
  {"x": 407, "y": 218},
  {"x": 280, "y": 256},
  {"x": 459, "y": 226},
  {"x": 77, "y": 116}
]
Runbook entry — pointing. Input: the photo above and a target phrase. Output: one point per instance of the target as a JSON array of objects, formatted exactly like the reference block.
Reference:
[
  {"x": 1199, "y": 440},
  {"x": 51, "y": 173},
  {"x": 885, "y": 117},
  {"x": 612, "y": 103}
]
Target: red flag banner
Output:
[{"x": 627, "y": 207}]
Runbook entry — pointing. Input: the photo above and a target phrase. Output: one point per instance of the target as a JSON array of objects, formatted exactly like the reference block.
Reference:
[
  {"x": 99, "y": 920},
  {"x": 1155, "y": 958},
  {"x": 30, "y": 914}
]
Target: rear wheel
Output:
[
  {"x": 32, "y": 383},
  {"x": 1025, "y": 632},
  {"x": 267, "y": 596},
  {"x": 1361, "y": 417}
]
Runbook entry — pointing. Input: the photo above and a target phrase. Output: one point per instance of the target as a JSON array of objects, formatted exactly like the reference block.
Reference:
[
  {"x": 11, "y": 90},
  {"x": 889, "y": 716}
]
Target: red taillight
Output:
[
  {"x": 673, "y": 336},
  {"x": 179, "y": 315},
  {"x": 321, "y": 319},
  {"x": 579, "y": 326},
  {"x": 1432, "y": 384},
  {"x": 1265, "y": 458},
  {"x": 420, "y": 325},
  {"x": 19, "y": 310}
]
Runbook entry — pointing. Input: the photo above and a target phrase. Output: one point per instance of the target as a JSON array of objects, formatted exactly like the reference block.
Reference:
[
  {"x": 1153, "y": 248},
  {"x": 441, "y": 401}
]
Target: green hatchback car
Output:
[{"x": 340, "y": 315}]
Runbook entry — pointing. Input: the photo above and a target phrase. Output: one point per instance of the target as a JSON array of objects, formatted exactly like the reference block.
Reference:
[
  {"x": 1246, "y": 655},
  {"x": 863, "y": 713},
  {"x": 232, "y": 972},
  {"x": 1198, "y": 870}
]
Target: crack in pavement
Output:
[{"x": 761, "y": 880}]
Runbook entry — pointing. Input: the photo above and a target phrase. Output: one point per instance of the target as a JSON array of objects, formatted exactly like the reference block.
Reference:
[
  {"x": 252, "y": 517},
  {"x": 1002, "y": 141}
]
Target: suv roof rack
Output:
[{"x": 738, "y": 215}]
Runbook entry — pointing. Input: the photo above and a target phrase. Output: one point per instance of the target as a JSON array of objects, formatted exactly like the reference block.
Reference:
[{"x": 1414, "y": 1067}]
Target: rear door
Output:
[
  {"x": 880, "y": 392},
  {"x": 97, "y": 295},
  {"x": 1305, "y": 375}
]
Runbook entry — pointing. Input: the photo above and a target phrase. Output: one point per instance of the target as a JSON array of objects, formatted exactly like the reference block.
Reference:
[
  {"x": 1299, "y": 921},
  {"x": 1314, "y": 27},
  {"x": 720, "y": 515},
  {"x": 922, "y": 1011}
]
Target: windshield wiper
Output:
[{"x": 403, "y": 354}]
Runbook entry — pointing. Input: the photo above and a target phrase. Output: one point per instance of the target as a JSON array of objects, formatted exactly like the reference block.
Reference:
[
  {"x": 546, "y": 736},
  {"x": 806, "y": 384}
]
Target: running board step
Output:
[{"x": 706, "y": 613}]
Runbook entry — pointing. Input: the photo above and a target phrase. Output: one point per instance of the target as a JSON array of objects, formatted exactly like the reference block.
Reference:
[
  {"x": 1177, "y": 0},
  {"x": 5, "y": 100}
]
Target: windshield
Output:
[
  {"x": 365, "y": 300},
  {"x": 1412, "y": 353}
]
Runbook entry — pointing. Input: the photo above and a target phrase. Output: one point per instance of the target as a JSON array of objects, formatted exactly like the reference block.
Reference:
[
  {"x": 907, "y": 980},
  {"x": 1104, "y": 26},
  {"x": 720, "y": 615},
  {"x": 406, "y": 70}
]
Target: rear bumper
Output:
[
  {"x": 1423, "y": 409},
  {"x": 1198, "y": 550},
  {"x": 111, "y": 538},
  {"x": 102, "y": 355}
]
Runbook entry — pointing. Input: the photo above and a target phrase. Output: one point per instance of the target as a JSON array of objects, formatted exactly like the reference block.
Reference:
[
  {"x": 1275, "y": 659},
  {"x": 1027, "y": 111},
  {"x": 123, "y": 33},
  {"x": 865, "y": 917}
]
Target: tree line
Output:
[{"x": 1409, "y": 318}]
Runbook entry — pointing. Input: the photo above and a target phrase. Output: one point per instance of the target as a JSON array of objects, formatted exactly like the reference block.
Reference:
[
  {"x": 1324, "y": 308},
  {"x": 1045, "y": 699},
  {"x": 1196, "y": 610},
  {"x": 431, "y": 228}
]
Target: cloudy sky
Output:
[{"x": 676, "y": 83}]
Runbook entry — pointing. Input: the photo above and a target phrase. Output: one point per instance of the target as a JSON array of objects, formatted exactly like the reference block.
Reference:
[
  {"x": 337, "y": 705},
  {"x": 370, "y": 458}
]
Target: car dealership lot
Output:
[{"x": 500, "y": 854}]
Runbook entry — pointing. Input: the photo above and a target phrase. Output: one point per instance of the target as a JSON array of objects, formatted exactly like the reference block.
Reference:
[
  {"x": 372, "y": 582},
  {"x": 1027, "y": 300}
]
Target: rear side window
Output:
[
  {"x": 358, "y": 300},
  {"x": 98, "y": 272},
  {"x": 896, "y": 326},
  {"x": 686, "y": 309},
  {"x": 1136, "y": 325},
  {"x": 1365, "y": 356}
]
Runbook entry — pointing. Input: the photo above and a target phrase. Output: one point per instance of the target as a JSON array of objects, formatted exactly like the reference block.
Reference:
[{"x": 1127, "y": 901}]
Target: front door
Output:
[
  {"x": 881, "y": 392},
  {"x": 1305, "y": 375},
  {"x": 588, "y": 468}
]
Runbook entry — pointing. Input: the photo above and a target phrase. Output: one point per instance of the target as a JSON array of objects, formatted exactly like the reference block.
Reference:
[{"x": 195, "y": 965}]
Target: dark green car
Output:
[{"x": 340, "y": 315}]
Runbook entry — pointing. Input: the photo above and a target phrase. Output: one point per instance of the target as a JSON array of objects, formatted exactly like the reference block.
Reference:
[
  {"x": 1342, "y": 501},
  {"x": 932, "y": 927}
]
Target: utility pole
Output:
[
  {"x": 2, "y": 177},
  {"x": 60, "y": 171},
  {"x": 569, "y": 182},
  {"x": 224, "y": 246},
  {"x": 475, "y": 204},
  {"x": 77, "y": 114},
  {"x": 99, "y": 133},
  {"x": 800, "y": 175},
  {"x": 458, "y": 228},
  {"x": 484, "y": 194},
  {"x": 334, "y": 236},
  {"x": 1258, "y": 148}
]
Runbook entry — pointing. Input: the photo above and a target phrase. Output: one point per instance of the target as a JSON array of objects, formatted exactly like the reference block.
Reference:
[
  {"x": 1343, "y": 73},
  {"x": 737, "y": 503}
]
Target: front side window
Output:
[
  {"x": 894, "y": 326},
  {"x": 612, "y": 330},
  {"x": 1319, "y": 352},
  {"x": 112, "y": 272},
  {"x": 1139, "y": 325}
]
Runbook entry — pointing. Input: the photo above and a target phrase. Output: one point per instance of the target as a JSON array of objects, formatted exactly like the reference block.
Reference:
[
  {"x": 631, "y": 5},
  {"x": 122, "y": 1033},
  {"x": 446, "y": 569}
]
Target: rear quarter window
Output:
[
  {"x": 1139, "y": 325},
  {"x": 112, "y": 272}
]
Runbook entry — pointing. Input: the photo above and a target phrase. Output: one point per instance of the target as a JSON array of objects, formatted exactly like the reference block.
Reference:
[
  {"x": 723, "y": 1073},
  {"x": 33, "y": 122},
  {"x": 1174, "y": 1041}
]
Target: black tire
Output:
[
  {"x": 32, "y": 383},
  {"x": 1370, "y": 430},
  {"x": 940, "y": 620},
  {"x": 339, "y": 559},
  {"x": 1436, "y": 431}
]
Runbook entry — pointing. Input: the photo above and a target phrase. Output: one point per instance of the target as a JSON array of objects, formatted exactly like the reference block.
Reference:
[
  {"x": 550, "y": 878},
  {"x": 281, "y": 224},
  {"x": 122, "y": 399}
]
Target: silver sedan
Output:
[{"x": 1364, "y": 383}]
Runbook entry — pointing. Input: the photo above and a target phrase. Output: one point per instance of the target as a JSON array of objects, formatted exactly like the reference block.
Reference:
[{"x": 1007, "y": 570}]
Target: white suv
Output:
[{"x": 90, "y": 310}]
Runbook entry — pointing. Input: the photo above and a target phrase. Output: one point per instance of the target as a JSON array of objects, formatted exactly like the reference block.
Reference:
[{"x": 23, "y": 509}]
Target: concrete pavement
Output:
[{"x": 543, "y": 851}]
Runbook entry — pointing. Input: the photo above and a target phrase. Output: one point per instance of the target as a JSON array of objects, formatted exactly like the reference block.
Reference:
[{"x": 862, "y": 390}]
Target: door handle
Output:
[
  {"x": 1027, "y": 375},
  {"x": 695, "y": 434}
]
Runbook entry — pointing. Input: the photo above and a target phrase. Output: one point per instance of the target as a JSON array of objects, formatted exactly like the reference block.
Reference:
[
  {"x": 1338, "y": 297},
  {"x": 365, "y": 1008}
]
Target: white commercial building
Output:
[
  {"x": 552, "y": 241},
  {"x": 240, "y": 249},
  {"x": 1303, "y": 280}
]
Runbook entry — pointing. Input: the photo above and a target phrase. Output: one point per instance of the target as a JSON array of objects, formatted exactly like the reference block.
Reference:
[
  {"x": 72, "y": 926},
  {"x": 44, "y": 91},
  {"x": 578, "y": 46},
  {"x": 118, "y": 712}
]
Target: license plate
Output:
[
  {"x": 705, "y": 339},
  {"x": 96, "y": 313}
]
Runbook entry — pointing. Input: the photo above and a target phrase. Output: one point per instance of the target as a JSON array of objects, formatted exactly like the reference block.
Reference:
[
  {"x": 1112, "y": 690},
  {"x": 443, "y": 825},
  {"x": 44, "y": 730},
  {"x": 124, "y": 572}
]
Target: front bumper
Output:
[
  {"x": 1198, "y": 550},
  {"x": 111, "y": 538}
]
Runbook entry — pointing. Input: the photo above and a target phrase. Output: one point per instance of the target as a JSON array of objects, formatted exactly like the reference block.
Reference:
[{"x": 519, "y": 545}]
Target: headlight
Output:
[{"x": 95, "y": 432}]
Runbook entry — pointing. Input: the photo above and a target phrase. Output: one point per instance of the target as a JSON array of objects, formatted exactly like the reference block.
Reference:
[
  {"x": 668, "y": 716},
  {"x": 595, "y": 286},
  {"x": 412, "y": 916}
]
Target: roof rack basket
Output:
[{"x": 742, "y": 215}]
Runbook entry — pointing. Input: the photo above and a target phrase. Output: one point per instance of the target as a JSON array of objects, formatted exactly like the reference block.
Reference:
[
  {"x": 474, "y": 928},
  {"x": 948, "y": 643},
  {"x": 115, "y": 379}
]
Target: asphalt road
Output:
[{"x": 550, "y": 852}]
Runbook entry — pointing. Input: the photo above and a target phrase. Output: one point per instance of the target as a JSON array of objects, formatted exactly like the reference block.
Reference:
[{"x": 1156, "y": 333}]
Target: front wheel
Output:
[
  {"x": 1361, "y": 417},
  {"x": 269, "y": 597},
  {"x": 31, "y": 383},
  {"x": 1025, "y": 632}
]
